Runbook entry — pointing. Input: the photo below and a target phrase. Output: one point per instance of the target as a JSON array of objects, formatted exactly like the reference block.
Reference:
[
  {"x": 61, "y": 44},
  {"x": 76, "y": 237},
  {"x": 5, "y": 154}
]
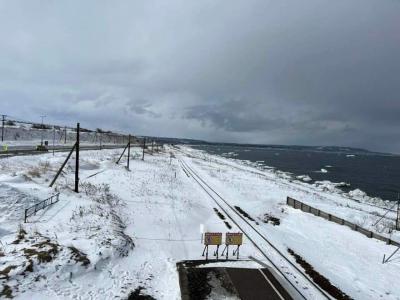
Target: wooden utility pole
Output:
[
  {"x": 398, "y": 212},
  {"x": 42, "y": 128},
  {"x": 2, "y": 127},
  {"x": 129, "y": 152},
  {"x": 77, "y": 159},
  {"x": 144, "y": 146}
]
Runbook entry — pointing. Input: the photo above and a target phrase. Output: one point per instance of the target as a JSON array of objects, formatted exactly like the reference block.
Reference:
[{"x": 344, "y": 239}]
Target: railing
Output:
[
  {"x": 316, "y": 212},
  {"x": 41, "y": 205}
]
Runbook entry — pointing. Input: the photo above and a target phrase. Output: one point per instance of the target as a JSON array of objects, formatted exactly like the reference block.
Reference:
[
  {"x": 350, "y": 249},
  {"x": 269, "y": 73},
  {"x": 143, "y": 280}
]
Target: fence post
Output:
[{"x": 26, "y": 210}]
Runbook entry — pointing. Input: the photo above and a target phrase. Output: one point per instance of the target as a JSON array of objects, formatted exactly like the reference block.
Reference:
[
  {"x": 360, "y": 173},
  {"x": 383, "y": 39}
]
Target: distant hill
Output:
[{"x": 340, "y": 149}]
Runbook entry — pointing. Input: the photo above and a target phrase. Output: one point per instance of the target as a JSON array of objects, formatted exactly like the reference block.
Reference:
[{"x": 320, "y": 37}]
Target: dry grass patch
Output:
[
  {"x": 79, "y": 256},
  {"x": 4, "y": 273},
  {"x": 44, "y": 251},
  {"x": 6, "y": 292}
]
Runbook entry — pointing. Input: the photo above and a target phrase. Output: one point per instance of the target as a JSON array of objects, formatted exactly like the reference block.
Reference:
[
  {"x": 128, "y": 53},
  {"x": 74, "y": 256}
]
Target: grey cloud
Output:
[
  {"x": 143, "y": 108},
  {"x": 310, "y": 72}
]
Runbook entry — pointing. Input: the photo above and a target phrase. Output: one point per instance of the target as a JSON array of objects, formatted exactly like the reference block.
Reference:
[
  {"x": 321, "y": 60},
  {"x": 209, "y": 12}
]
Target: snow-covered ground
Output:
[{"x": 128, "y": 229}]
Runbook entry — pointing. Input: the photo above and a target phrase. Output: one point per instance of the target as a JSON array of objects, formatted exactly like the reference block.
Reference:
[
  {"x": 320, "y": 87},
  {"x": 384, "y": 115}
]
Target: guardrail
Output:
[
  {"x": 41, "y": 205},
  {"x": 317, "y": 212}
]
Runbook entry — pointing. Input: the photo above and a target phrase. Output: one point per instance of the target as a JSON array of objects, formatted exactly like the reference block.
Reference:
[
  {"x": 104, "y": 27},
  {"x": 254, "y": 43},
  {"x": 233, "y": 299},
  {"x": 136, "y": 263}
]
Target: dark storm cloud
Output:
[{"x": 294, "y": 72}]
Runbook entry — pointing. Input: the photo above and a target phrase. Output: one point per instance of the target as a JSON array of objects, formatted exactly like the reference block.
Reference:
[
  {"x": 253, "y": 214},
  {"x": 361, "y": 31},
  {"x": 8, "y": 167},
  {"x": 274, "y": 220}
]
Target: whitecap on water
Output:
[{"x": 305, "y": 178}]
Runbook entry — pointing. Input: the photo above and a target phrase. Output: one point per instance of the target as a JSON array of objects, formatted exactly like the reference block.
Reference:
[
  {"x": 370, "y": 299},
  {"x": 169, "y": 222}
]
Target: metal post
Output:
[
  {"x": 129, "y": 151},
  {"x": 152, "y": 146},
  {"x": 144, "y": 146},
  {"x": 2, "y": 127},
  {"x": 77, "y": 159},
  {"x": 65, "y": 137},
  {"x": 100, "y": 139}
]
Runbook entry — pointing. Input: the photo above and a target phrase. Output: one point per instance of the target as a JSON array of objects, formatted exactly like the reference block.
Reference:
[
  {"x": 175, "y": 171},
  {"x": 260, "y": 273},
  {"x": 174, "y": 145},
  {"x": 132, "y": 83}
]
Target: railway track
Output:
[{"x": 306, "y": 288}]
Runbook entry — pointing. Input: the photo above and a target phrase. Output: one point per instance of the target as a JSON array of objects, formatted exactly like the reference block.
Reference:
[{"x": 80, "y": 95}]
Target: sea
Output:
[{"x": 377, "y": 174}]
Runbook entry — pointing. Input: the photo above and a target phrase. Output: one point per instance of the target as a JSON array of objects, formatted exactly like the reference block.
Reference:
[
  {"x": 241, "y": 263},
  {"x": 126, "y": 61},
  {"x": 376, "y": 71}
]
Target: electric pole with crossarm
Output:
[{"x": 2, "y": 126}]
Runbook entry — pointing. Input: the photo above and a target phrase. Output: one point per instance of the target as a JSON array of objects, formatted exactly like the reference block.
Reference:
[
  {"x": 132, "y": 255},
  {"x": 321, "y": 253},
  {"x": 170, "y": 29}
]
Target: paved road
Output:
[
  {"x": 30, "y": 150},
  {"x": 256, "y": 284}
]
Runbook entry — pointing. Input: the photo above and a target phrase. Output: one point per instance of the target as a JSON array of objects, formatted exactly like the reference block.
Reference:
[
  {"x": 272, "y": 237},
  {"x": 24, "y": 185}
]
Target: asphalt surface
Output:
[
  {"x": 196, "y": 283},
  {"x": 256, "y": 284}
]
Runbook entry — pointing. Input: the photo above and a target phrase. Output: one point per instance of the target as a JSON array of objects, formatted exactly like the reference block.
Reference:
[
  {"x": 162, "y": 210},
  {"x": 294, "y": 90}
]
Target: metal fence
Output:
[
  {"x": 317, "y": 212},
  {"x": 30, "y": 211}
]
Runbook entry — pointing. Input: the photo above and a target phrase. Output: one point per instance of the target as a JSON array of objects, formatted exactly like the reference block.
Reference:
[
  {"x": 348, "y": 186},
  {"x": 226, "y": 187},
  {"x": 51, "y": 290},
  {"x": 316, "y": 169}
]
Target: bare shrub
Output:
[
  {"x": 39, "y": 170},
  {"x": 34, "y": 172}
]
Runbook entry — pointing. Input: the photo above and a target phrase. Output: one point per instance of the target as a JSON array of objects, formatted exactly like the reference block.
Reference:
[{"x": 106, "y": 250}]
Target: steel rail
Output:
[{"x": 198, "y": 179}]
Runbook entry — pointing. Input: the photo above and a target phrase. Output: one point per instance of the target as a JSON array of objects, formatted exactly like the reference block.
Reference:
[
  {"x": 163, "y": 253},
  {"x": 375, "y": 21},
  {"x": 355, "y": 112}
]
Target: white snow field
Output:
[{"x": 128, "y": 229}]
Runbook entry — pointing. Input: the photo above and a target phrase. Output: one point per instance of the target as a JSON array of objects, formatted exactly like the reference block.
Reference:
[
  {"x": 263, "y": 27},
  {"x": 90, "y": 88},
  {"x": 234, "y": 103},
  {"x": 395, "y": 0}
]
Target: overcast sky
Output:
[{"x": 313, "y": 72}]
